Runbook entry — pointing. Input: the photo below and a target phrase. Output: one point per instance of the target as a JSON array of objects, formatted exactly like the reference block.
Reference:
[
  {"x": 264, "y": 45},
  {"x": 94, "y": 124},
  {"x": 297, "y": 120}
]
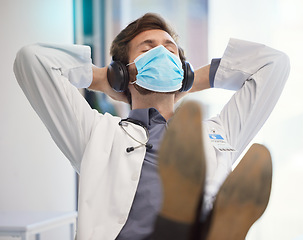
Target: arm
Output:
[
  {"x": 45, "y": 74},
  {"x": 201, "y": 81},
  {"x": 100, "y": 83},
  {"x": 258, "y": 73}
]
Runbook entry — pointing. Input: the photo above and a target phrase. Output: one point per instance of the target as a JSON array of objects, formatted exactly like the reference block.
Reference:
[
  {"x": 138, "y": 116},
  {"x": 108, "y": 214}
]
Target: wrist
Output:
[
  {"x": 99, "y": 82},
  {"x": 201, "y": 81}
]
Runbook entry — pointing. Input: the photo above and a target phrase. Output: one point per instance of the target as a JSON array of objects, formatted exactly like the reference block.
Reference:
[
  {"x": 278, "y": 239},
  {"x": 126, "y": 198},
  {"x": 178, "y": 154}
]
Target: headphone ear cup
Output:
[
  {"x": 117, "y": 76},
  {"x": 188, "y": 77}
]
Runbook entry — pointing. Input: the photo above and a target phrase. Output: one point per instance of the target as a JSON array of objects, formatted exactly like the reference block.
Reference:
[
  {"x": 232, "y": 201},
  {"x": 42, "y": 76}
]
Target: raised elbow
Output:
[
  {"x": 282, "y": 62},
  {"x": 24, "y": 60},
  {"x": 25, "y": 54}
]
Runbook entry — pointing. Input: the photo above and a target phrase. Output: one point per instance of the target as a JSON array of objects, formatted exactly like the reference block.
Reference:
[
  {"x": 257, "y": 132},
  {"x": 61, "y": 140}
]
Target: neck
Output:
[{"x": 163, "y": 102}]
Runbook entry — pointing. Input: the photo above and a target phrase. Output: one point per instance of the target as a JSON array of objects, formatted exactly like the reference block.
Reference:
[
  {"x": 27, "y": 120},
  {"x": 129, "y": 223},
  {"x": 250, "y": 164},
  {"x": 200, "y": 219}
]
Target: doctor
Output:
[{"x": 120, "y": 192}]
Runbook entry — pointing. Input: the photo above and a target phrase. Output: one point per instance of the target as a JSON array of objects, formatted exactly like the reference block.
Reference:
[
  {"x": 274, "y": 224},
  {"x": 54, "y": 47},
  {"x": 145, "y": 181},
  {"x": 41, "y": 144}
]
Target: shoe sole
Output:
[
  {"x": 182, "y": 165},
  {"x": 243, "y": 197}
]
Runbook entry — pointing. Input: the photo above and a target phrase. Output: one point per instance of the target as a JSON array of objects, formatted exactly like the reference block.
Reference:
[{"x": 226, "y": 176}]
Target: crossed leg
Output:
[{"x": 241, "y": 200}]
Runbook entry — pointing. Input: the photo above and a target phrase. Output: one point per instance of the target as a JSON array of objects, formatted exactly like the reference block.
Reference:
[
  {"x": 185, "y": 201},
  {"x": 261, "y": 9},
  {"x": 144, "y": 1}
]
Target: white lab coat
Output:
[{"x": 95, "y": 145}]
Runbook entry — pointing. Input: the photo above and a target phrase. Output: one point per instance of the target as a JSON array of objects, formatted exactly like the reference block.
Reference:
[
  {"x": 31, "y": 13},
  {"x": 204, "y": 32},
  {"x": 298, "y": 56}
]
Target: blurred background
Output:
[{"x": 34, "y": 174}]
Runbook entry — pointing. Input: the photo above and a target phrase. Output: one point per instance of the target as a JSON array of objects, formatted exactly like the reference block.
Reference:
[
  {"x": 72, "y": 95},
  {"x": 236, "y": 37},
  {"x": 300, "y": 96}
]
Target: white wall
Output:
[{"x": 34, "y": 174}]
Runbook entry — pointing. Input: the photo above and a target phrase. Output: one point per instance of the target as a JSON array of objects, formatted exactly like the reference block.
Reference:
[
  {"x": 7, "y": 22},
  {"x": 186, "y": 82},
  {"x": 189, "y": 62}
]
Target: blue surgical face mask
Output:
[{"x": 159, "y": 70}]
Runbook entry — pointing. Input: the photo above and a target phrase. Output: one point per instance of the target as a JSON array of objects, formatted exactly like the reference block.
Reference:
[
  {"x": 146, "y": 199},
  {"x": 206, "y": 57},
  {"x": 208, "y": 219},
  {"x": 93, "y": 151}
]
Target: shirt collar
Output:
[{"x": 148, "y": 116}]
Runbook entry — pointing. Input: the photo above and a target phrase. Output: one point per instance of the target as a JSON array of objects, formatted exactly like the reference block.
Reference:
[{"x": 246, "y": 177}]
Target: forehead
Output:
[{"x": 156, "y": 35}]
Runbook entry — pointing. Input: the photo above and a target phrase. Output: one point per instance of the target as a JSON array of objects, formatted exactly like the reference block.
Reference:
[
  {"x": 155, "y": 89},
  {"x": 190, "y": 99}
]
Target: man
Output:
[{"x": 120, "y": 192}]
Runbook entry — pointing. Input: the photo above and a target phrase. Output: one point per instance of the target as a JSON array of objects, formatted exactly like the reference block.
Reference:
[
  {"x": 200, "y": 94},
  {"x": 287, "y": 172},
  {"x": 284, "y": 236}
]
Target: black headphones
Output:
[{"x": 117, "y": 75}]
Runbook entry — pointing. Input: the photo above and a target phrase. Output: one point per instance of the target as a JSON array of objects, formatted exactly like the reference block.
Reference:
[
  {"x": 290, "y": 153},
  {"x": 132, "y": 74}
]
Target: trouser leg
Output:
[{"x": 168, "y": 229}]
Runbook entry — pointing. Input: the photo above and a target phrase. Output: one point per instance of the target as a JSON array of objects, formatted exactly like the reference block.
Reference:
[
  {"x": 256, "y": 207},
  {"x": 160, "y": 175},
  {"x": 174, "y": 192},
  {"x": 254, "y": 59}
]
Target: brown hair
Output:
[
  {"x": 119, "y": 48},
  {"x": 120, "y": 45}
]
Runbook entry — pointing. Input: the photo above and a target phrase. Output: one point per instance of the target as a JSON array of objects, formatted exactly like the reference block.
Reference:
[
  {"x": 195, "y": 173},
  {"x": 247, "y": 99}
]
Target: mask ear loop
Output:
[
  {"x": 129, "y": 64},
  {"x": 134, "y": 82}
]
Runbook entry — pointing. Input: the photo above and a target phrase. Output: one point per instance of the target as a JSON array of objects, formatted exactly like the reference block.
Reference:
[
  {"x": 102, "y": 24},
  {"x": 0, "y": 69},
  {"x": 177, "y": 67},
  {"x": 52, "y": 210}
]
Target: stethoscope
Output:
[{"x": 124, "y": 123}]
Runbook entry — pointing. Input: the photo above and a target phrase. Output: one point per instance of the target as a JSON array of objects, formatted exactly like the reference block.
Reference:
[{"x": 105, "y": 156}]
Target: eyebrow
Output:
[
  {"x": 169, "y": 42},
  {"x": 146, "y": 42},
  {"x": 151, "y": 41}
]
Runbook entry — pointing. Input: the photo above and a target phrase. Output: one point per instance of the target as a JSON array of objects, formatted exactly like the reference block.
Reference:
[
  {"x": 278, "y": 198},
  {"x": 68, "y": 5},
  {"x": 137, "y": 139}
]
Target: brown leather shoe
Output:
[
  {"x": 182, "y": 171},
  {"x": 243, "y": 197}
]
